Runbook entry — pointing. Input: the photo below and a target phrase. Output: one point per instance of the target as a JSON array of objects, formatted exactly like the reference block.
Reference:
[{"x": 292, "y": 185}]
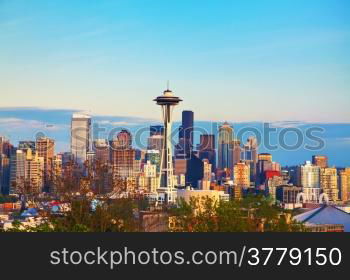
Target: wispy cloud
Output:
[
  {"x": 287, "y": 124},
  {"x": 131, "y": 122},
  {"x": 11, "y": 124}
]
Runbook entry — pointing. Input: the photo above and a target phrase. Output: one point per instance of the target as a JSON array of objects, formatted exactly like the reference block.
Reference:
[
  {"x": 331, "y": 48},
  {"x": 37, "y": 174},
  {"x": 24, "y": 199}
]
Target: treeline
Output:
[
  {"x": 250, "y": 214},
  {"x": 254, "y": 213}
]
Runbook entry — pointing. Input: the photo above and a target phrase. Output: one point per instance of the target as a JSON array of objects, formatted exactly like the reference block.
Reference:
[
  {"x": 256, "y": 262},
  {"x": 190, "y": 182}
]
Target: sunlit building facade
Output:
[
  {"x": 225, "y": 139},
  {"x": 46, "y": 149},
  {"x": 329, "y": 183},
  {"x": 344, "y": 184},
  {"x": 80, "y": 137},
  {"x": 319, "y": 160},
  {"x": 309, "y": 180},
  {"x": 241, "y": 175}
]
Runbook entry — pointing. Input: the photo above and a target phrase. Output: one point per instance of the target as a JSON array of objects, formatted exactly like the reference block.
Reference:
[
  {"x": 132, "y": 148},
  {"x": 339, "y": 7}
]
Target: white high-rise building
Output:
[
  {"x": 150, "y": 170},
  {"x": 309, "y": 179},
  {"x": 148, "y": 178},
  {"x": 80, "y": 137}
]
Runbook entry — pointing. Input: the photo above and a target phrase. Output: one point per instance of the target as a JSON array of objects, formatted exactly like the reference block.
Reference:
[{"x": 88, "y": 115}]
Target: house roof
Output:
[{"x": 326, "y": 214}]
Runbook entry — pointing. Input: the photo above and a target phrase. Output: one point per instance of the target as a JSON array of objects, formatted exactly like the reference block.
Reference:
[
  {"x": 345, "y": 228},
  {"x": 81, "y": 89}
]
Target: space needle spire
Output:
[{"x": 166, "y": 181}]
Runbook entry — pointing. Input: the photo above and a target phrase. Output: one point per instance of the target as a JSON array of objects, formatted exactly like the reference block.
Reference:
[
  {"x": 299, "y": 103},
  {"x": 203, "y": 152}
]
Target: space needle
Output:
[{"x": 166, "y": 181}]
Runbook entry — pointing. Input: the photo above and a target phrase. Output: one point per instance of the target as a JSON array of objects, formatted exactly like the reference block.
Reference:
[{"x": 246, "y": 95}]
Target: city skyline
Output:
[
  {"x": 250, "y": 58},
  {"x": 28, "y": 124},
  {"x": 34, "y": 167}
]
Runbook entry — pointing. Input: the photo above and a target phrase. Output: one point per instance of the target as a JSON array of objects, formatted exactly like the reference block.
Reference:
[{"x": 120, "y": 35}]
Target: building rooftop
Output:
[
  {"x": 80, "y": 116},
  {"x": 326, "y": 214}
]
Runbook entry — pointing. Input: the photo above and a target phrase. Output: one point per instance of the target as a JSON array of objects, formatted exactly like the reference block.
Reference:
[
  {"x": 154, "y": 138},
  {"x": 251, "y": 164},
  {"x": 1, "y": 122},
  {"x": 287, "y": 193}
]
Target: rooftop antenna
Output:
[{"x": 167, "y": 85}]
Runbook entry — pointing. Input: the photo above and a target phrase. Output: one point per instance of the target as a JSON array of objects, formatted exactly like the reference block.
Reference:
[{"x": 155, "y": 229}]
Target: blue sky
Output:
[{"x": 248, "y": 60}]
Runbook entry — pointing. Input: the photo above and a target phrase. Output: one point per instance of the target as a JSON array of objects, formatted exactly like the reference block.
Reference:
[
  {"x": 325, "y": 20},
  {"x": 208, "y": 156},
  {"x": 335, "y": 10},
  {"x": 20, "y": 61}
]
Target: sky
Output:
[
  {"x": 245, "y": 61},
  {"x": 248, "y": 60}
]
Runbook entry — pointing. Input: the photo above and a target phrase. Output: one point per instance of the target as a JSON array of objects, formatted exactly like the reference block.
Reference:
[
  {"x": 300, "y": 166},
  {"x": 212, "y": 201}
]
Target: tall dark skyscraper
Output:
[
  {"x": 206, "y": 149},
  {"x": 194, "y": 171},
  {"x": 185, "y": 146},
  {"x": 187, "y": 126},
  {"x": 6, "y": 149}
]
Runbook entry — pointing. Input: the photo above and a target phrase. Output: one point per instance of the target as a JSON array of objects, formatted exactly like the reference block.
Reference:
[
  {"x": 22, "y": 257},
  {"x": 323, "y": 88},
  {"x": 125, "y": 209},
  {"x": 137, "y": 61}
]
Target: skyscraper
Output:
[
  {"x": 344, "y": 182},
  {"x": 101, "y": 149},
  {"x": 123, "y": 156},
  {"x": 4, "y": 174},
  {"x": 153, "y": 156},
  {"x": 46, "y": 149},
  {"x": 27, "y": 172},
  {"x": 17, "y": 173},
  {"x": 321, "y": 161},
  {"x": 80, "y": 137},
  {"x": 309, "y": 180},
  {"x": 148, "y": 179},
  {"x": 225, "y": 139},
  {"x": 265, "y": 157},
  {"x": 2, "y": 140},
  {"x": 329, "y": 183},
  {"x": 236, "y": 151},
  {"x": 241, "y": 175},
  {"x": 264, "y": 164},
  {"x": 34, "y": 172},
  {"x": 6, "y": 148},
  {"x": 156, "y": 130},
  {"x": 195, "y": 169},
  {"x": 26, "y": 144},
  {"x": 206, "y": 149},
  {"x": 124, "y": 164},
  {"x": 56, "y": 173},
  {"x": 187, "y": 127},
  {"x": 123, "y": 140},
  {"x": 250, "y": 156},
  {"x": 5, "y": 153},
  {"x": 155, "y": 142},
  {"x": 185, "y": 146},
  {"x": 207, "y": 172},
  {"x": 167, "y": 101}
]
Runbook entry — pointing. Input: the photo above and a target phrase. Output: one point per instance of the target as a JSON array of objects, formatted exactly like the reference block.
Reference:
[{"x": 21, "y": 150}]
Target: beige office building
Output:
[
  {"x": 241, "y": 175},
  {"x": 27, "y": 173},
  {"x": 344, "y": 184},
  {"x": 46, "y": 149},
  {"x": 329, "y": 183}
]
